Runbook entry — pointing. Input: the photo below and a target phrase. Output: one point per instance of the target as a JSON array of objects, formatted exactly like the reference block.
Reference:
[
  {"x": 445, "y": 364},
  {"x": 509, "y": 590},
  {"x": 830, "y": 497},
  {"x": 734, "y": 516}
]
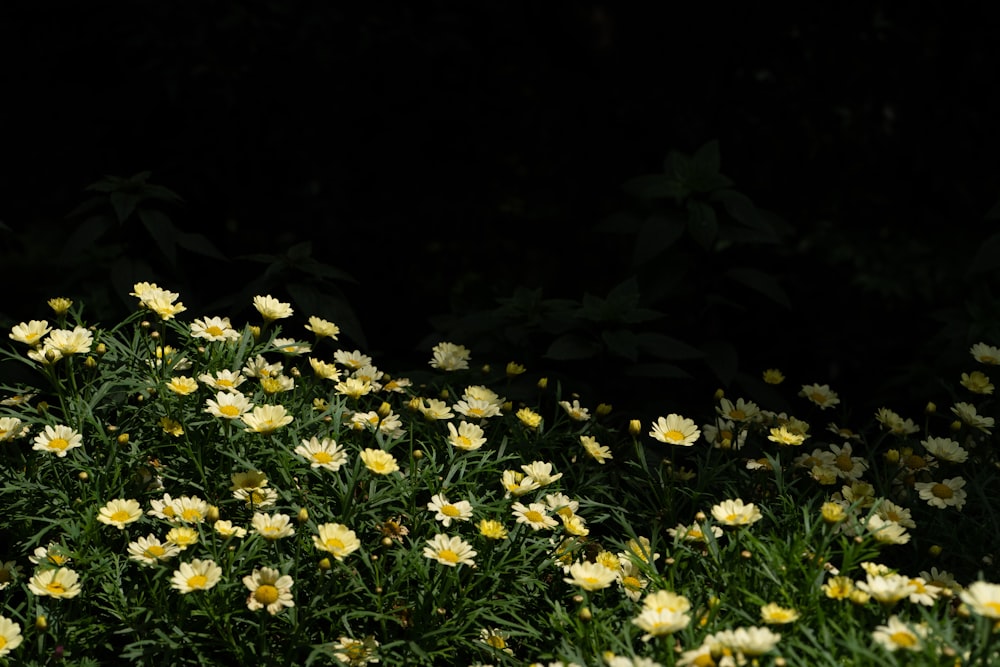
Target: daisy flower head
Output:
[
  {"x": 228, "y": 405},
  {"x": 29, "y": 333},
  {"x": 356, "y": 652},
  {"x": 983, "y": 599},
  {"x": 783, "y": 435},
  {"x": 885, "y": 531},
  {"x": 272, "y": 526},
  {"x": 182, "y": 537},
  {"x": 257, "y": 498},
  {"x": 749, "y": 642},
  {"x": 595, "y": 450},
  {"x": 225, "y": 528},
  {"x": 379, "y": 462},
  {"x": 266, "y": 419},
  {"x": 58, "y": 440},
  {"x": 945, "y": 449},
  {"x": 540, "y": 472},
  {"x": 291, "y": 346},
  {"x": 693, "y": 533},
  {"x": 322, "y": 328},
  {"x": 198, "y": 575},
  {"x": 446, "y": 511},
  {"x": 61, "y": 583},
  {"x": 736, "y": 513},
  {"x": 529, "y": 418},
  {"x": 590, "y": 576},
  {"x": 575, "y": 411},
  {"x": 322, "y": 453},
  {"x": 740, "y": 411},
  {"x": 52, "y": 555},
  {"x": 943, "y": 494},
  {"x": 467, "y": 437},
  {"x": 534, "y": 515},
  {"x": 10, "y": 636},
  {"x": 675, "y": 430},
  {"x": 898, "y": 636},
  {"x": 60, "y": 305},
  {"x": 247, "y": 479},
  {"x": 336, "y": 539},
  {"x": 120, "y": 512},
  {"x": 182, "y": 385},
  {"x": 848, "y": 467},
  {"x": 985, "y": 354},
  {"x": 517, "y": 483},
  {"x": 189, "y": 509},
  {"x": 967, "y": 413},
  {"x": 492, "y": 529},
  {"x": 67, "y": 342},
  {"x": 977, "y": 382},
  {"x": 434, "y": 409},
  {"x": 660, "y": 623},
  {"x": 271, "y": 309},
  {"x": 894, "y": 423},
  {"x": 773, "y": 376},
  {"x": 224, "y": 380},
  {"x": 820, "y": 395},
  {"x": 496, "y": 638},
  {"x": 450, "y": 357},
  {"x": 353, "y": 360},
  {"x": 214, "y": 329},
  {"x": 450, "y": 551},
  {"x": 887, "y": 589},
  {"x": 269, "y": 589},
  {"x": 150, "y": 550},
  {"x": 774, "y": 614},
  {"x": 324, "y": 370},
  {"x": 11, "y": 427}
]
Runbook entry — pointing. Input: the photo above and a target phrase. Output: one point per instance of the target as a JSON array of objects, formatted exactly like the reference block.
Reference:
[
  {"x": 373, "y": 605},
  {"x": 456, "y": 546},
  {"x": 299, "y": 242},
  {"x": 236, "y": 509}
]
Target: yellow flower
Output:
[
  {"x": 322, "y": 328},
  {"x": 57, "y": 440},
  {"x": 150, "y": 550},
  {"x": 216, "y": 329},
  {"x": 228, "y": 405},
  {"x": 182, "y": 385},
  {"x": 985, "y": 354},
  {"x": 10, "y": 636},
  {"x": 467, "y": 437},
  {"x": 514, "y": 369},
  {"x": 597, "y": 451},
  {"x": 832, "y": 512},
  {"x": 773, "y": 614},
  {"x": 773, "y": 376},
  {"x": 182, "y": 537},
  {"x": 529, "y": 418},
  {"x": 783, "y": 436},
  {"x": 450, "y": 357},
  {"x": 590, "y": 576},
  {"x": 450, "y": 551},
  {"x": 227, "y": 529},
  {"x": 736, "y": 513},
  {"x": 272, "y": 526},
  {"x": 271, "y": 309},
  {"x": 269, "y": 589},
  {"x": 66, "y": 342},
  {"x": 336, "y": 539},
  {"x": 534, "y": 515},
  {"x": 30, "y": 333},
  {"x": 198, "y": 575},
  {"x": 266, "y": 419},
  {"x": 977, "y": 383},
  {"x": 379, "y": 462},
  {"x": 119, "y": 513},
  {"x": 353, "y": 387},
  {"x": 575, "y": 411},
  {"x": 324, "y": 370},
  {"x": 492, "y": 529},
  {"x": 983, "y": 599},
  {"x": 10, "y": 428},
  {"x": 896, "y": 635},
  {"x": 171, "y": 426},
  {"x": 60, "y": 305},
  {"x": 675, "y": 430},
  {"x": 838, "y": 588},
  {"x": 322, "y": 453},
  {"x": 60, "y": 583}
]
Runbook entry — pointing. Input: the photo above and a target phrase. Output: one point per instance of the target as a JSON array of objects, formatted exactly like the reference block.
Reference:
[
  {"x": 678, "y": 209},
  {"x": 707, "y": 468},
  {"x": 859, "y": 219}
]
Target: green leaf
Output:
[
  {"x": 656, "y": 234},
  {"x": 124, "y": 204},
  {"x": 84, "y": 237},
  {"x": 160, "y": 227},
  {"x": 662, "y": 346},
  {"x": 621, "y": 343},
  {"x": 761, "y": 282},
  {"x": 706, "y": 159},
  {"x": 572, "y": 346},
  {"x": 987, "y": 258},
  {"x": 197, "y": 243},
  {"x": 702, "y": 223}
]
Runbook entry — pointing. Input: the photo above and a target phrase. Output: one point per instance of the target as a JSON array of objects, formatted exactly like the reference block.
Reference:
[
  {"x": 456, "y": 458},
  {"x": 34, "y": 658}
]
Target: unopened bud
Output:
[
  {"x": 41, "y": 623},
  {"x": 719, "y": 393},
  {"x": 418, "y": 454},
  {"x": 603, "y": 409},
  {"x": 303, "y": 515},
  {"x": 384, "y": 410},
  {"x": 324, "y": 564},
  {"x": 935, "y": 550},
  {"x": 930, "y": 408},
  {"x": 543, "y": 383},
  {"x": 634, "y": 427},
  {"x": 213, "y": 514},
  {"x": 83, "y": 475},
  {"x": 122, "y": 438},
  {"x": 101, "y": 349},
  {"x": 584, "y": 614}
]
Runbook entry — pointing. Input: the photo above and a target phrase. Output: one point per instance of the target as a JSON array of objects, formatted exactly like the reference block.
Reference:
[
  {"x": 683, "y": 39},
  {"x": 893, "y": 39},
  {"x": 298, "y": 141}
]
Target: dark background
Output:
[{"x": 441, "y": 154}]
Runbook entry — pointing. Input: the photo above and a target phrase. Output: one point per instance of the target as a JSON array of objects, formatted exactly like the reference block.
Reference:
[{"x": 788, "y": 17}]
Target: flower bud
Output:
[
  {"x": 930, "y": 408},
  {"x": 325, "y": 564},
  {"x": 41, "y": 623},
  {"x": 90, "y": 362},
  {"x": 418, "y": 454},
  {"x": 514, "y": 369},
  {"x": 213, "y": 514},
  {"x": 83, "y": 476},
  {"x": 603, "y": 409},
  {"x": 585, "y": 614},
  {"x": 543, "y": 383},
  {"x": 122, "y": 438},
  {"x": 303, "y": 515},
  {"x": 384, "y": 410},
  {"x": 634, "y": 427}
]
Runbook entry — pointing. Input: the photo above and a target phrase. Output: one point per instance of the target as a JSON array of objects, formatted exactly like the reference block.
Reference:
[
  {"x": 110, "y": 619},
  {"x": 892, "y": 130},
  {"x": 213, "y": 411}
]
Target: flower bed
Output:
[{"x": 203, "y": 493}]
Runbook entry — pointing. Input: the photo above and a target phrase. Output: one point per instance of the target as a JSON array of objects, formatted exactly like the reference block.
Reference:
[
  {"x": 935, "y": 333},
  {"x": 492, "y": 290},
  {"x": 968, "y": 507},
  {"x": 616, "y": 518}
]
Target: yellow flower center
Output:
[
  {"x": 213, "y": 331},
  {"x": 120, "y": 516},
  {"x": 737, "y": 414},
  {"x": 333, "y": 544},
  {"x": 191, "y": 514},
  {"x": 154, "y": 551},
  {"x": 58, "y": 444},
  {"x": 223, "y": 384},
  {"x": 266, "y": 594},
  {"x": 673, "y": 435},
  {"x": 322, "y": 457},
  {"x": 534, "y": 516},
  {"x": 463, "y": 442},
  {"x": 229, "y": 411},
  {"x": 942, "y": 490},
  {"x": 450, "y": 510},
  {"x": 631, "y": 583},
  {"x": 845, "y": 463},
  {"x": 915, "y": 462},
  {"x": 5, "y": 577},
  {"x": 3, "y": 642},
  {"x": 904, "y": 639},
  {"x": 732, "y": 518},
  {"x": 55, "y": 588},
  {"x": 994, "y": 607},
  {"x": 197, "y": 581},
  {"x": 818, "y": 397},
  {"x": 448, "y": 555}
]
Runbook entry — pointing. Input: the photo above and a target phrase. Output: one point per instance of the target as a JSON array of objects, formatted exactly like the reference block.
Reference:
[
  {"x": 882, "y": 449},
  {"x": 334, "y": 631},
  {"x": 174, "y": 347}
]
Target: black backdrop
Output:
[{"x": 419, "y": 145}]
